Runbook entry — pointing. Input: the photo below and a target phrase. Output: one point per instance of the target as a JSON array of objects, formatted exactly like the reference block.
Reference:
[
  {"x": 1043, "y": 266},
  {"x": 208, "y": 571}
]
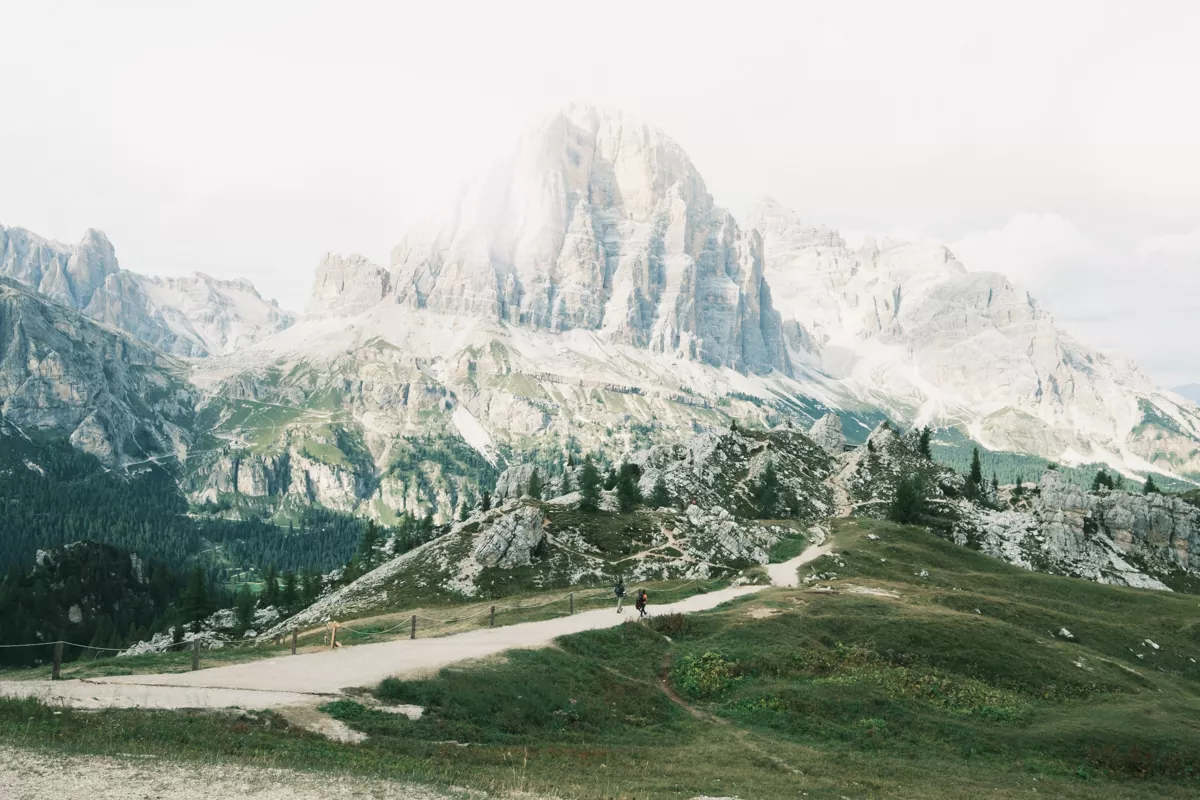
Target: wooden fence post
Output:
[
  {"x": 572, "y": 602},
  {"x": 492, "y": 618},
  {"x": 293, "y": 641},
  {"x": 332, "y": 635},
  {"x": 195, "y": 654},
  {"x": 413, "y": 633},
  {"x": 56, "y": 666}
]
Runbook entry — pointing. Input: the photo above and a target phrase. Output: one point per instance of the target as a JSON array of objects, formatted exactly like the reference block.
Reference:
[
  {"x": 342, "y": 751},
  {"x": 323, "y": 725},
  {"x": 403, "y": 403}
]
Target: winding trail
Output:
[{"x": 290, "y": 681}]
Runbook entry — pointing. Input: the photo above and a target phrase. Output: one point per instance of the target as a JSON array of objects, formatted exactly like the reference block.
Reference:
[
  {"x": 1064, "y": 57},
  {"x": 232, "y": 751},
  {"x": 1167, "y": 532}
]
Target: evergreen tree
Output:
[
  {"x": 311, "y": 585},
  {"x": 995, "y": 486},
  {"x": 923, "y": 443},
  {"x": 976, "y": 468},
  {"x": 974, "y": 487},
  {"x": 290, "y": 596},
  {"x": 243, "y": 609},
  {"x": 367, "y": 555},
  {"x": 610, "y": 480},
  {"x": 566, "y": 480},
  {"x": 463, "y": 512},
  {"x": 766, "y": 494},
  {"x": 485, "y": 502},
  {"x": 909, "y": 501},
  {"x": 195, "y": 598},
  {"x": 589, "y": 487},
  {"x": 629, "y": 495},
  {"x": 270, "y": 592},
  {"x": 1019, "y": 489},
  {"x": 1103, "y": 481},
  {"x": 659, "y": 496},
  {"x": 535, "y": 485},
  {"x": 1151, "y": 487}
]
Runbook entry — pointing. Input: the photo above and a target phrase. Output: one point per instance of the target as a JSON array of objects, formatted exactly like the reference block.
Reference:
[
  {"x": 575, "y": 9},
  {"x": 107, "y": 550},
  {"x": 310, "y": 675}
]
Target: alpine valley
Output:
[
  {"x": 907, "y": 528},
  {"x": 584, "y": 293}
]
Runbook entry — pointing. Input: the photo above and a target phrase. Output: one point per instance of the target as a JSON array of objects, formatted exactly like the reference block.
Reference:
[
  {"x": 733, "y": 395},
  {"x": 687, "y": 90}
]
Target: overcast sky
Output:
[{"x": 1055, "y": 142}]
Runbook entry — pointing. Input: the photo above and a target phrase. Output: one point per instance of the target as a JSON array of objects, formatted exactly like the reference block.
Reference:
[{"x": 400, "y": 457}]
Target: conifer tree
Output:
[
  {"x": 289, "y": 598},
  {"x": 923, "y": 443},
  {"x": 589, "y": 487},
  {"x": 195, "y": 598},
  {"x": 1151, "y": 487},
  {"x": 565, "y": 488},
  {"x": 485, "y": 502},
  {"x": 270, "y": 592},
  {"x": 535, "y": 485},
  {"x": 908, "y": 502},
  {"x": 659, "y": 496},
  {"x": 766, "y": 493},
  {"x": 463, "y": 512},
  {"x": 629, "y": 495},
  {"x": 244, "y": 609},
  {"x": 367, "y": 555},
  {"x": 610, "y": 480}
]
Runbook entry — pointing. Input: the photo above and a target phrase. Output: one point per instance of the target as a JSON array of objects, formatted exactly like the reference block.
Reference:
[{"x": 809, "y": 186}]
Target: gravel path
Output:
[
  {"x": 288, "y": 681},
  {"x": 37, "y": 775}
]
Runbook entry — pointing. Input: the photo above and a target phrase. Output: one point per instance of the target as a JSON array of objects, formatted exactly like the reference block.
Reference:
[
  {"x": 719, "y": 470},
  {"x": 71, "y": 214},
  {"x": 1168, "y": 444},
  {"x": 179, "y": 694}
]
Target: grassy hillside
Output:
[{"x": 955, "y": 678}]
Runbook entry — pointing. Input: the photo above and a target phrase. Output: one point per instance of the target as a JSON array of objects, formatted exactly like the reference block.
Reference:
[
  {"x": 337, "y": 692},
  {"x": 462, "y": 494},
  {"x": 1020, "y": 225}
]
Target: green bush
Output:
[{"x": 705, "y": 676}]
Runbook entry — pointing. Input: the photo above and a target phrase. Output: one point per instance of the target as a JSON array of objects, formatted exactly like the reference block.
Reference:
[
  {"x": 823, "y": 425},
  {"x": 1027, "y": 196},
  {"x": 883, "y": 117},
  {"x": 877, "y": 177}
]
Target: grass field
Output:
[{"x": 959, "y": 676}]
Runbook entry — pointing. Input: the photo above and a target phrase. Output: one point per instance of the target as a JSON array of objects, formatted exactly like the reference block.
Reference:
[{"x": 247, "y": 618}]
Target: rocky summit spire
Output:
[{"x": 599, "y": 222}]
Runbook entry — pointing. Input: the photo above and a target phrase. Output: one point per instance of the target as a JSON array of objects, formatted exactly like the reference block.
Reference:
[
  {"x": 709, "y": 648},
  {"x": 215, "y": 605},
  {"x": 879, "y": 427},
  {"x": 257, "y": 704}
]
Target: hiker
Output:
[
  {"x": 642, "y": 600},
  {"x": 619, "y": 591}
]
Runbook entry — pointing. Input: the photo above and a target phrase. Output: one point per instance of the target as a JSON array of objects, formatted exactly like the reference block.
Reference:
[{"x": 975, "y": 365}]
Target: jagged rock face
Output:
[
  {"x": 189, "y": 316},
  {"x": 112, "y": 395},
  {"x": 1110, "y": 536},
  {"x": 69, "y": 275},
  {"x": 1155, "y": 526},
  {"x": 599, "y": 222},
  {"x": 721, "y": 469},
  {"x": 828, "y": 434},
  {"x": 346, "y": 286},
  {"x": 907, "y": 326},
  {"x": 513, "y": 483},
  {"x": 513, "y": 539}
]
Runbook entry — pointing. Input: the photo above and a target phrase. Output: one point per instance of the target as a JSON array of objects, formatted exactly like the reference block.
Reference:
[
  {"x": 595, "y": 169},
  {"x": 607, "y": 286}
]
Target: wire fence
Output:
[{"x": 589, "y": 593}]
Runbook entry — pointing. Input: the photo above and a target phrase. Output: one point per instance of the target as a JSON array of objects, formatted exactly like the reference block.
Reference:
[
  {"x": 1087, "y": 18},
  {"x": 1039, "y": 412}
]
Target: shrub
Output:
[{"x": 706, "y": 675}]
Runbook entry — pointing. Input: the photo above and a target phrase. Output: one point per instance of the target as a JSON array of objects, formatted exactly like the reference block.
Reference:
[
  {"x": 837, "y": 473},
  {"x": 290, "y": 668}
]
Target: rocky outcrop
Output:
[
  {"x": 722, "y": 469},
  {"x": 112, "y": 395},
  {"x": 513, "y": 483},
  {"x": 599, "y": 222},
  {"x": 513, "y": 540},
  {"x": 827, "y": 432},
  {"x": 346, "y": 286},
  {"x": 189, "y": 316},
  {"x": 1107, "y": 536}
]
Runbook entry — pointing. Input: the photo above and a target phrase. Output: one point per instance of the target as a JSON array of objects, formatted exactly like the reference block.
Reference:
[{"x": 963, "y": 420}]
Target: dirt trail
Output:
[{"x": 310, "y": 678}]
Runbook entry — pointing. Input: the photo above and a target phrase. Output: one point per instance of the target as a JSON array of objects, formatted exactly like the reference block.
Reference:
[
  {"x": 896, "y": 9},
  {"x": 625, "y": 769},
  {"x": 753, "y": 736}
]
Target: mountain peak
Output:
[{"x": 599, "y": 222}]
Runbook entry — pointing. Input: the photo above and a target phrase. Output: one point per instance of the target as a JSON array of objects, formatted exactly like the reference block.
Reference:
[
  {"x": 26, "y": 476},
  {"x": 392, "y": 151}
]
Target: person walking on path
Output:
[
  {"x": 640, "y": 604},
  {"x": 619, "y": 591}
]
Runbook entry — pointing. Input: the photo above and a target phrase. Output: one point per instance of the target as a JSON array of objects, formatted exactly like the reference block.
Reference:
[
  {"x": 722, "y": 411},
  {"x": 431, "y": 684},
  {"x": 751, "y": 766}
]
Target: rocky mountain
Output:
[
  {"x": 113, "y": 395},
  {"x": 907, "y": 328},
  {"x": 586, "y": 294},
  {"x": 186, "y": 316},
  {"x": 599, "y": 222}
]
